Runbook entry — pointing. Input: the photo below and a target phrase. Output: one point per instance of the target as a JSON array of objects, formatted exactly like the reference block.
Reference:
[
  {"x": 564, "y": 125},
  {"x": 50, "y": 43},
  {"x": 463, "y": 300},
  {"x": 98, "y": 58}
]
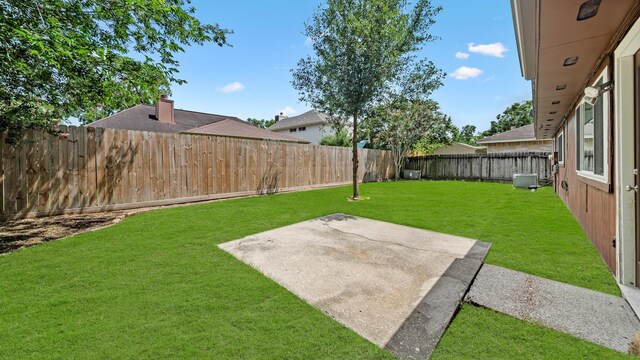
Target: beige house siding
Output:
[{"x": 519, "y": 146}]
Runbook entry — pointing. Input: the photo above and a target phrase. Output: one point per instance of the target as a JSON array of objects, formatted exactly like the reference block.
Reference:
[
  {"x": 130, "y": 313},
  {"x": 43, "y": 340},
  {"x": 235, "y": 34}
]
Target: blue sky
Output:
[{"x": 253, "y": 79}]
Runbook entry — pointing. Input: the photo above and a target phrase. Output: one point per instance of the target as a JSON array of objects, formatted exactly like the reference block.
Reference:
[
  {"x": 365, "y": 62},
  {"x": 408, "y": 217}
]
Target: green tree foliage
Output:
[
  {"x": 440, "y": 134},
  {"x": 366, "y": 53},
  {"x": 518, "y": 114},
  {"x": 405, "y": 123},
  {"x": 466, "y": 135},
  {"x": 264, "y": 124},
  {"x": 341, "y": 138},
  {"x": 90, "y": 58}
]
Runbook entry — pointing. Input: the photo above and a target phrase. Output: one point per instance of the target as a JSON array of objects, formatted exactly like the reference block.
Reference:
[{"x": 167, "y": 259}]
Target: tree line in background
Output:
[
  {"x": 440, "y": 131},
  {"x": 263, "y": 124}
]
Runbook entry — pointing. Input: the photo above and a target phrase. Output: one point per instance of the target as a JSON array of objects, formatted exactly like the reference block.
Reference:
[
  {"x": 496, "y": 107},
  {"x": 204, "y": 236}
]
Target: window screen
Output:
[
  {"x": 598, "y": 135},
  {"x": 560, "y": 147},
  {"x": 591, "y": 142},
  {"x": 587, "y": 138}
]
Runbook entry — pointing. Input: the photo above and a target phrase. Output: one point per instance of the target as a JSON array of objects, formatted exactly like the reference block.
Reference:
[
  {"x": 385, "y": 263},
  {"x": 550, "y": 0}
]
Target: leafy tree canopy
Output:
[
  {"x": 366, "y": 53},
  {"x": 442, "y": 133},
  {"x": 264, "y": 124},
  {"x": 90, "y": 58},
  {"x": 518, "y": 114},
  {"x": 341, "y": 138},
  {"x": 466, "y": 135},
  {"x": 406, "y": 123}
]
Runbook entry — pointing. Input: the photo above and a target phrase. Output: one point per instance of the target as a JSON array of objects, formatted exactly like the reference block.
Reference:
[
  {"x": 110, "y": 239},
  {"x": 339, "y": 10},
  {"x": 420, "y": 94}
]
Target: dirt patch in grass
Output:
[{"x": 17, "y": 234}]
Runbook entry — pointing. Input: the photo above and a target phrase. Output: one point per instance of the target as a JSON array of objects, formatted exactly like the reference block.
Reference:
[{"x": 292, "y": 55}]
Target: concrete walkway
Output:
[{"x": 599, "y": 318}]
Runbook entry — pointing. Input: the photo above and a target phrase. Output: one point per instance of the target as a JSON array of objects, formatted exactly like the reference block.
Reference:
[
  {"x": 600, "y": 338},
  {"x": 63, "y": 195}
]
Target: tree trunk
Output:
[
  {"x": 396, "y": 161},
  {"x": 400, "y": 165},
  {"x": 397, "y": 152},
  {"x": 356, "y": 194}
]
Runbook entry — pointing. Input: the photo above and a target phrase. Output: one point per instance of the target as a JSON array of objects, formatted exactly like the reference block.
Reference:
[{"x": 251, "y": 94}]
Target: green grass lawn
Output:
[
  {"x": 156, "y": 285},
  {"x": 510, "y": 338}
]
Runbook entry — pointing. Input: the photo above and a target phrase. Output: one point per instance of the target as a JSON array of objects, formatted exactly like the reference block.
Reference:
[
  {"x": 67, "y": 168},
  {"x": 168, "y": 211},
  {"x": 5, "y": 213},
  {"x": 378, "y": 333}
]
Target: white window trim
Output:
[
  {"x": 605, "y": 141},
  {"x": 564, "y": 151}
]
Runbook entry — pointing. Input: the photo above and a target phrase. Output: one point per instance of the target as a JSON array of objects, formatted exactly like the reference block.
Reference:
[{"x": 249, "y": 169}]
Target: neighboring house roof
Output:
[
  {"x": 523, "y": 133},
  {"x": 468, "y": 146},
  {"x": 237, "y": 128},
  {"x": 142, "y": 118},
  {"x": 458, "y": 148},
  {"x": 311, "y": 117}
]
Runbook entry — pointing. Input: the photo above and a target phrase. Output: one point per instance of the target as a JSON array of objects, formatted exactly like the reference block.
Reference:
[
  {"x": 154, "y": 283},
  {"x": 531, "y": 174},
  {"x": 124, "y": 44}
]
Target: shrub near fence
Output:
[
  {"x": 482, "y": 167},
  {"x": 93, "y": 169}
]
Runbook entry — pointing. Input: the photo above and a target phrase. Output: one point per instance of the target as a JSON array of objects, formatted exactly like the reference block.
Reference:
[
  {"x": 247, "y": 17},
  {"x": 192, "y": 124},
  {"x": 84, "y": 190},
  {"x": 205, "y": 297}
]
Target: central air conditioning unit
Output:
[
  {"x": 525, "y": 181},
  {"x": 411, "y": 175}
]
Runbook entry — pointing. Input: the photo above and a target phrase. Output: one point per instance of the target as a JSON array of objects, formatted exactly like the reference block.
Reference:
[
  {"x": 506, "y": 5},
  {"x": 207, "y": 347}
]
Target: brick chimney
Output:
[
  {"x": 164, "y": 110},
  {"x": 282, "y": 116}
]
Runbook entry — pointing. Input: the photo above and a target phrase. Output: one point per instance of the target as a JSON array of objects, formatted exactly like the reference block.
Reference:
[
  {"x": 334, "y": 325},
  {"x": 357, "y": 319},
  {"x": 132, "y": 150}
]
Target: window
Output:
[
  {"x": 292, "y": 130},
  {"x": 302, "y": 128},
  {"x": 560, "y": 148},
  {"x": 591, "y": 139}
]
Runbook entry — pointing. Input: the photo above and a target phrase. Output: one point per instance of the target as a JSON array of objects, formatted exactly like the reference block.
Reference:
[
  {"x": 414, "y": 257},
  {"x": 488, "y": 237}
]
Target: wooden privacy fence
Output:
[
  {"x": 93, "y": 169},
  {"x": 482, "y": 167}
]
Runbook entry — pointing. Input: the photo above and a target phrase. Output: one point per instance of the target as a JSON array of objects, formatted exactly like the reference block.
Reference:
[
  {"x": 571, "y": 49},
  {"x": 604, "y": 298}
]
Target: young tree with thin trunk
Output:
[{"x": 366, "y": 54}]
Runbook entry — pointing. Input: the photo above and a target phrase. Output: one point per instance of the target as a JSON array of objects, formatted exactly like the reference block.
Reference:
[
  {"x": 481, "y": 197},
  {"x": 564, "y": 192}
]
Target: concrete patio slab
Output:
[
  {"x": 599, "y": 318},
  {"x": 396, "y": 286}
]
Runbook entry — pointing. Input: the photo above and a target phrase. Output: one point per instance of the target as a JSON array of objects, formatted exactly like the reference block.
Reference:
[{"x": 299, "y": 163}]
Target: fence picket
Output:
[
  {"x": 490, "y": 167},
  {"x": 93, "y": 169}
]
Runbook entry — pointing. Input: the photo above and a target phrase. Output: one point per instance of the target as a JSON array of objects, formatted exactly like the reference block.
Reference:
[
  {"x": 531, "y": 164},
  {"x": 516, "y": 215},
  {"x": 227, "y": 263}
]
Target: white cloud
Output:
[
  {"x": 308, "y": 41},
  {"x": 288, "y": 111},
  {"x": 495, "y": 49},
  {"x": 462, "y": 55},
  {"x": 232, "y": 87},
  {"x": 464, "y": 73}
]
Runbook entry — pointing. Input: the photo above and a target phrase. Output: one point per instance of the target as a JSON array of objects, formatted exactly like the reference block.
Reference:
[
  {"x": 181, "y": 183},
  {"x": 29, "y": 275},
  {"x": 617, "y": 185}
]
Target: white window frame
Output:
[
  {"x": 561, "y": 136},
  {"x": 604, "y": 178}
]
